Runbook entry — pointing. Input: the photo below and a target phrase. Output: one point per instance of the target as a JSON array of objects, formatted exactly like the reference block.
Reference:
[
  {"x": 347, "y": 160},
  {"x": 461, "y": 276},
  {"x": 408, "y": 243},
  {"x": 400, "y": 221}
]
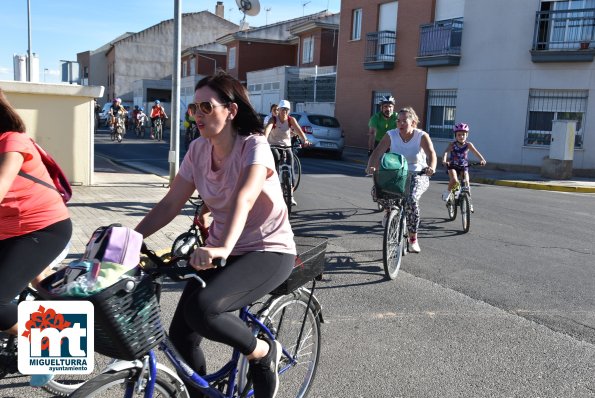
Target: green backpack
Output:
[{"x": 391, "y": 177}]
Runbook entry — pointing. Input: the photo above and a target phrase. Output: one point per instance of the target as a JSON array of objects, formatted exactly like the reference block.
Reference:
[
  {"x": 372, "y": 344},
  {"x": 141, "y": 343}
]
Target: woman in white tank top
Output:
[{"x": 418, "y": 149}]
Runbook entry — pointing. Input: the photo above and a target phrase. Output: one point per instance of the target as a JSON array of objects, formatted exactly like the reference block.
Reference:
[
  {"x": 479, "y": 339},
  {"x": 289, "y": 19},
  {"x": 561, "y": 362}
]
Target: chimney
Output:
[{"x": 220, "y": 9}]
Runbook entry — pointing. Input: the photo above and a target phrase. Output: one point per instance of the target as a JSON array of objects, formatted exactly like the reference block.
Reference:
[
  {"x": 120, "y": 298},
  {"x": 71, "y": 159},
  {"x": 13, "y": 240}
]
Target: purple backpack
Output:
[{"x": 116, "y": 244}]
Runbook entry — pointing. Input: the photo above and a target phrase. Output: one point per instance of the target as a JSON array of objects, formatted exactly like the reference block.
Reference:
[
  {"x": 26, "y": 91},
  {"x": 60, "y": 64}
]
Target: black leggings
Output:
[
  {"x": 24, "y": 257},
  {"x": 207, "y": 312}
]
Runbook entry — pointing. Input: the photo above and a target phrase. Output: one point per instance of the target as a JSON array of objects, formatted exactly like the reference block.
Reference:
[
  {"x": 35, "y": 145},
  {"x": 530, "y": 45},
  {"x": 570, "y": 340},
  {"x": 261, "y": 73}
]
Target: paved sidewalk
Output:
[{"x": 486, "y": 175}]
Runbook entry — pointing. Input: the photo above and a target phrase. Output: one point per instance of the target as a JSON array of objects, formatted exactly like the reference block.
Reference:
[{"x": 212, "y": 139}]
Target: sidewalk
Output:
[{"x": 485, "y": 175}]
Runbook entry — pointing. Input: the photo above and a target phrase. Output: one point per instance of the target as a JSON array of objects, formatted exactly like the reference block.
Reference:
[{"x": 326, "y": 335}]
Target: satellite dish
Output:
[{"x": 249, "y": 7}]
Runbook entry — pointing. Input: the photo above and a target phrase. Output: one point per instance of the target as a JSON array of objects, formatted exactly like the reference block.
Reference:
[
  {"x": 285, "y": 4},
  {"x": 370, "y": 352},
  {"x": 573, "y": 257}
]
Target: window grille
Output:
[
  {"x": 442, "y": 111},
  {"x": 548, "y": 105}
]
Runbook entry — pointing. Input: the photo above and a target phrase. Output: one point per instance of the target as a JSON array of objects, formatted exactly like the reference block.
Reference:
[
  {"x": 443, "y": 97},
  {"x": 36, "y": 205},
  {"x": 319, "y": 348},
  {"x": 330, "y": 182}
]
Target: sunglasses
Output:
[{"x": 205, "y": 107}]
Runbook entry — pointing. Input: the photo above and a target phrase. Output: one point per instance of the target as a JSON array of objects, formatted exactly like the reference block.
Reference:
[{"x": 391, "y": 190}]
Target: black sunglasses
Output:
[{"x": 205, "y": 107}]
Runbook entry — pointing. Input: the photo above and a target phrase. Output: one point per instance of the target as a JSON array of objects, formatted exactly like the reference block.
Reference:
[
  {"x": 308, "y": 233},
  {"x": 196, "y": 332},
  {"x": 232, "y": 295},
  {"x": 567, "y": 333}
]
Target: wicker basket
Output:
[
  {"x": 127, "y": 321},
  {"x": 309, "y": 263}
]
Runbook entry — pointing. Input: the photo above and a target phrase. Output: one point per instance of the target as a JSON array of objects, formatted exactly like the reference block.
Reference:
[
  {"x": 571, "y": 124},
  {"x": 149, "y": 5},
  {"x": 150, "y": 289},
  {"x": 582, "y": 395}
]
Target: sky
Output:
[{"x": 62, "y": 28}]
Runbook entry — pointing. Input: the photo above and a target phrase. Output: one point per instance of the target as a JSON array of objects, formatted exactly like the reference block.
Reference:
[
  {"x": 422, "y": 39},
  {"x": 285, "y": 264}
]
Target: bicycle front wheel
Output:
[
  {"x": 116, "y": 384},
  {"x": 287, "y": 194},
  {"x": 465, "y": 212},
  {"x": 451, "y": 207},
  {"x": 288, "y": 319},
  {"x": 297, "y": 172},
  {"x": 392, "y": 248}
]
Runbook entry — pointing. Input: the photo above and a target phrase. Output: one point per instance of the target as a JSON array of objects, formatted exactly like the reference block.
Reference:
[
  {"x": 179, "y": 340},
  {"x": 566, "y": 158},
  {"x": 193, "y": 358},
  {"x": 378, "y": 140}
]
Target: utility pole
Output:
[
  {"x": 174, "y": 140},
  {"x": 29, "y": 60}
]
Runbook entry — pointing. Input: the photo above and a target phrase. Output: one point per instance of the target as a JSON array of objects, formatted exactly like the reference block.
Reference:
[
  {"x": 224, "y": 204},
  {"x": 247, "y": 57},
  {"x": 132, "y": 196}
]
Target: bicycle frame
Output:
[{"x": 230, "y": 369}]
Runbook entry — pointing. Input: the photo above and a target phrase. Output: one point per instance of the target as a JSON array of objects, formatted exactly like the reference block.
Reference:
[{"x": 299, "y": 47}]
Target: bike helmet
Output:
[
  {"x": 136, "y": 107},
  {"x": 387, "y": 99},
  {"x": 461, "y": 127},
  {"x": 141, "y": 109},
  {"x": 119, "y": 100},
  {"x": 157, "y": 102}
]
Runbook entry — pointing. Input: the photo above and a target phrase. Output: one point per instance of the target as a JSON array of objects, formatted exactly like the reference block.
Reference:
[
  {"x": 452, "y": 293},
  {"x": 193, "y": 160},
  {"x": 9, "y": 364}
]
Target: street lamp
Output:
[{"x": 44, "y": 72}]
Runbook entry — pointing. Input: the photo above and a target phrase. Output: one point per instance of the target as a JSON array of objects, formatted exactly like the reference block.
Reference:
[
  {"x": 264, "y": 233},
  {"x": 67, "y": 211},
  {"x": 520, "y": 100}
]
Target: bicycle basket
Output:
[
  {"x": 127, "y": 321},
  {"x": 309, "y": 263}
]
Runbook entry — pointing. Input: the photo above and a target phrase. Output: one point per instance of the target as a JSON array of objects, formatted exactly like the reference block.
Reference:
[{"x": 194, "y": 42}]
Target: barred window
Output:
[
  {"x": 442, "y": 111},
  {"x": 376, "y": 97},
  {"x": 548, "y": 105}
]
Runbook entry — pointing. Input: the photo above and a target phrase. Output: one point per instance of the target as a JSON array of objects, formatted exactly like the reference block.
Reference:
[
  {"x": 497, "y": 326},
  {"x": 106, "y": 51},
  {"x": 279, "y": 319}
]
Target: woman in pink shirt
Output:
[
  {"x": 232, "y": 168},
  {"x": 34, "y": 222}
]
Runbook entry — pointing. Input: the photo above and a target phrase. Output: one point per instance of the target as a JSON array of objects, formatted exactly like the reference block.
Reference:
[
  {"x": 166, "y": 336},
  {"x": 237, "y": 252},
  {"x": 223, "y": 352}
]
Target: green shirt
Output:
[{"x": 382, "y": 125}]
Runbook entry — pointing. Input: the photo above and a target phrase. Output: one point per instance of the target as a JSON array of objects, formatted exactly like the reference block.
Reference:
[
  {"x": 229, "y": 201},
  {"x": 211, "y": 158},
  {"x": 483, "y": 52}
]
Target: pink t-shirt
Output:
[
  {"x": 28, "y": 206},
  {"x": 267, "y": 226}
]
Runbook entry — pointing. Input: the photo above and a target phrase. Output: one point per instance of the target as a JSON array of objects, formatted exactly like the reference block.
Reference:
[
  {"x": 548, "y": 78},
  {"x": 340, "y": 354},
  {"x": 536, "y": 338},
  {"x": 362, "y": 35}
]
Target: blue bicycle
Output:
[{"x": 128, "y": 328}]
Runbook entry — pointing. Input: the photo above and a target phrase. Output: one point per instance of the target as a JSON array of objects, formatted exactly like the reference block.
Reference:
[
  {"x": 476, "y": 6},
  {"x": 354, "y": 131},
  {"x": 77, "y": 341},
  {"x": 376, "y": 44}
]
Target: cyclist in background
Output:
[
  {"x": 278, "y": 131},
  {"x": 157, "y": 111},
  {"x": 232, "y": 168},
  {"x": 381, "y": 122},
  {"x": 418, "y": 149},
  {"x": 458, "y": 151},
  {"x": 113, "y": 111},
  {"x": 273, "y": 113}
]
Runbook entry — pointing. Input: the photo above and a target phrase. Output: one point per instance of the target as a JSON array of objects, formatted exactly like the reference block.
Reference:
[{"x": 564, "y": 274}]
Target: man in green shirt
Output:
[{"x": 381, "y": 122}]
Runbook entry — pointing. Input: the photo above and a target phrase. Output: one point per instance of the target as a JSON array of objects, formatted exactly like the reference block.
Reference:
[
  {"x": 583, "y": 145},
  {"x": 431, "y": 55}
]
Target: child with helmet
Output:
[{"x": 458, "y": 150}]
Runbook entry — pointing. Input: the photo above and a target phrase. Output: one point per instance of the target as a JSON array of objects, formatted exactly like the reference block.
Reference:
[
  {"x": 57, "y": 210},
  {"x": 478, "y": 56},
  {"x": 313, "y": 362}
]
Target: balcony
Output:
[
  {"x": 440, "y": 43},
  {"x": 564, "y": 36},
  {"x": 380, "y": 50}
]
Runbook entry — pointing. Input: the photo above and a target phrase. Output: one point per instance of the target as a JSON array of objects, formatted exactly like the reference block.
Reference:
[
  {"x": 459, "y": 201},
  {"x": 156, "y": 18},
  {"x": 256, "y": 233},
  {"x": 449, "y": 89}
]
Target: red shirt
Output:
[{"x": 28, "y": 206}]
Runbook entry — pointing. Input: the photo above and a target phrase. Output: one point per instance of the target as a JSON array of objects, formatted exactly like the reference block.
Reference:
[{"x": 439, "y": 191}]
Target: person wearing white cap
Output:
[{"x": 279, "y": 130}]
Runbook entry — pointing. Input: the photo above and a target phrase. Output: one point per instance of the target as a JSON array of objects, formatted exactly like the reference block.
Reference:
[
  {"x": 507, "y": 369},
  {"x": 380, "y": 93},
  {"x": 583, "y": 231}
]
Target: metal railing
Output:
[
  {"x": 564, "y": 29},
  {"x": 381, "y": 46},
  {"x": 441, "y": 38}
]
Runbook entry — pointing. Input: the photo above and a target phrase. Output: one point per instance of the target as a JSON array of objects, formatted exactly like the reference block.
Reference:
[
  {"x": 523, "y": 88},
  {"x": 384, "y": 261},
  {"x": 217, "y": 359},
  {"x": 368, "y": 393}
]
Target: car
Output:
[{"x": 324, "y": 132}]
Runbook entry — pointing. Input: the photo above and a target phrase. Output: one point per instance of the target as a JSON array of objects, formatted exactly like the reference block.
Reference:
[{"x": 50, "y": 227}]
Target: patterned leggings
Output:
[{"x": 419, "y": 185}]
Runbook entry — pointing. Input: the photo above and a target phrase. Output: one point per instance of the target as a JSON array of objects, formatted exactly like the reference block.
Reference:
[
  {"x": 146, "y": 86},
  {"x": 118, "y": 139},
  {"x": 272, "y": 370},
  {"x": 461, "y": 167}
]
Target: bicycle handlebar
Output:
[
  {"x": 173, "y": 269},
  {"x": 419, "y": 173}
]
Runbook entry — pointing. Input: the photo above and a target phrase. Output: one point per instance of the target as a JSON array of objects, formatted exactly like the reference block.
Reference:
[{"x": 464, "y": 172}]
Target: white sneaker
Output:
[
  {"x": 293, "y": 202},
  {"x": 445, "y": 195},
  {"x": 414, "y": 246}
]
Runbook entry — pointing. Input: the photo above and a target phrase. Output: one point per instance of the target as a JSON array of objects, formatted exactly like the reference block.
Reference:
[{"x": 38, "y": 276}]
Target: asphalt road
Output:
[{"x": 506, "y": 310}]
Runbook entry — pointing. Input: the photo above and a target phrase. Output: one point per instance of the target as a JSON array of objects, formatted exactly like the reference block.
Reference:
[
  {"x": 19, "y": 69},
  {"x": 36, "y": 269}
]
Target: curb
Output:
[{"x": 534, "y": 185}]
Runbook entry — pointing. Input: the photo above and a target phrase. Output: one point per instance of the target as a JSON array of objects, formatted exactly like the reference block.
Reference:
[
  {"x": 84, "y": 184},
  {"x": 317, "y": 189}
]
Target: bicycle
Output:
[
  {"x": 157, "y": 129},
  {"x": 118, "y": 131},
  {"x": 297, "y": 164},
  {"x": 285, "y": 171},
  {"x": 395, "y": 239},
  {"x": 460, "y": 196},
  {"x": 291, "y": 314}
]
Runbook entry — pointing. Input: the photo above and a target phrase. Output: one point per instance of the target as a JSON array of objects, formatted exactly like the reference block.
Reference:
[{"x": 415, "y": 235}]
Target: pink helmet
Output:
[{"x": 461, "y": 127}]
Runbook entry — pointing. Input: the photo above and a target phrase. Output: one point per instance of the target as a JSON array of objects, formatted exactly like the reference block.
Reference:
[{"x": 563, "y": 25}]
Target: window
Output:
[
  {"x": 184, "y": 68},
  {"x": 548, "y": 105},
  {"x": 231, "y": 62},
  {"x": 376, "y": 96},
  {"x": 308, "y": 50},
  {"x": 442, "y": 112},
  {"x": 192, "y": 66},
  {"x": 356, "y": 24}
]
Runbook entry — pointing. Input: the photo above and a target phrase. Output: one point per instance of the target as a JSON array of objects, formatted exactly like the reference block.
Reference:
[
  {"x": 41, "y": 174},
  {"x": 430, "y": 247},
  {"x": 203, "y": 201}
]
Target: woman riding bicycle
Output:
[
  {"x": 231, "y": 167},
  {"x": 279, "y": 130},
  {"x": 418, "y": 149},
  {"x": 35, "y": 225},
  {"x": 458, "y": 151}
]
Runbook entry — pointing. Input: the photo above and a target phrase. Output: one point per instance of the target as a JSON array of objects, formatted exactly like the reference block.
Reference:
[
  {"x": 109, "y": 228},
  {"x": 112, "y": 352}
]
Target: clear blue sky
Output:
[{"x": 62, "y": 28}]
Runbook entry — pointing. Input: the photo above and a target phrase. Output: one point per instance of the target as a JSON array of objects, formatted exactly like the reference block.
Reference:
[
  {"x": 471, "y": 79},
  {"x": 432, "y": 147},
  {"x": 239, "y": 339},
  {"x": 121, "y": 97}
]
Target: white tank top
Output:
[
  {"x": 412, "y": 150},
  {"x": 281, "y": 134}
]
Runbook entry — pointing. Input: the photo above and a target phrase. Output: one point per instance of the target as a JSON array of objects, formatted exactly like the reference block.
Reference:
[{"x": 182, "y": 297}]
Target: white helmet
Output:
[
  {"x": 387, "y": 99},
  {"x": 284, "y": 104}
]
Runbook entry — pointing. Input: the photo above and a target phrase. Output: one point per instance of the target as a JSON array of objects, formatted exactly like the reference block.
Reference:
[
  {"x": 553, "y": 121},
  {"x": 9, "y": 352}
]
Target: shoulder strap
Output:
[{"x": 37, "y": 180}]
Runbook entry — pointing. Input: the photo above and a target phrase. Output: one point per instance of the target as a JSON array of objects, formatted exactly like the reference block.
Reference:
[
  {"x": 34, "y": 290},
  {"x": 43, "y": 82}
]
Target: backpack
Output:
[
  {"x": 61, "y": 184},
  {"x": 391, "y": 176},
  {"x": 116, "y": 244}
]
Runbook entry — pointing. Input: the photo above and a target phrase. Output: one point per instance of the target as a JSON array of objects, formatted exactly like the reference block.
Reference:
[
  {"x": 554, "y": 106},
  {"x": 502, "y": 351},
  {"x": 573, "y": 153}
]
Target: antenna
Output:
[
  {"x": 304, "y": 4},
  {"x": 248, "y": 7}
]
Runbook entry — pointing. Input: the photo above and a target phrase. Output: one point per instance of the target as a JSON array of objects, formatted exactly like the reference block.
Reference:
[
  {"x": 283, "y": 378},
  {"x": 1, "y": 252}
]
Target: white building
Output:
[
  {"x": 519, "y": 66},
  {"x": 20, "y": 66}
]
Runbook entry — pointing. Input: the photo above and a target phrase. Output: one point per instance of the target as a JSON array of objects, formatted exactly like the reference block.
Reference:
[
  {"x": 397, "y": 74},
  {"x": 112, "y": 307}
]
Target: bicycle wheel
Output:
[
  {"x": 286, "y": 186},
  {"x": 285, "y": 321},
  {"x": 8, "y": 354},
  {"x": 297, "y": 172},
  {"x": 113, "y": 135},
  {"x": 119, "y": 133},
  {"x": 65, "y": 384},
  {"x": 115, "y": 384},
  {"x": 392, "y": 248},
  {"x": 465, "y": 212},
  {"x": 159, "y": 132},
  {"x": 451, "y": 207}
]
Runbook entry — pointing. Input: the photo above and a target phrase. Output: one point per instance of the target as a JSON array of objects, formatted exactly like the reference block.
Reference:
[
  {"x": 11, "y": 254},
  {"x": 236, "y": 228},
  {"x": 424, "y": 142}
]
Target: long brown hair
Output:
[
  {"x": 9, "y": 118},
  {"x": 229, "y": 89}
]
